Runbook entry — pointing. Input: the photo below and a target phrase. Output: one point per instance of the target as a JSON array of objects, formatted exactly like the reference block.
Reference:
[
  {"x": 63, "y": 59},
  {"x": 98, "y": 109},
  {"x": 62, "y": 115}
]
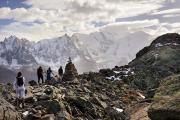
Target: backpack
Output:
[{"x": 20, "y": 81}]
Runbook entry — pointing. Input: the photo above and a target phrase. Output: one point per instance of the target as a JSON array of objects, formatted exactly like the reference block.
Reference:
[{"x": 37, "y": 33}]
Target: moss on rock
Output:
[{"x": 166, "y": 104}]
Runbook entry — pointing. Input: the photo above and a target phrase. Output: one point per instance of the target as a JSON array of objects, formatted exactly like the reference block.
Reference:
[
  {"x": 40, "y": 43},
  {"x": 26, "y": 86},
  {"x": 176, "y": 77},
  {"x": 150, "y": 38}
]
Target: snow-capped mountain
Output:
[
  {"x": 15, "y": 52},
  {"x": 108, "y": 48},
  {"x": 54, "y": 52},
  {"x": 89, "y": 52}
]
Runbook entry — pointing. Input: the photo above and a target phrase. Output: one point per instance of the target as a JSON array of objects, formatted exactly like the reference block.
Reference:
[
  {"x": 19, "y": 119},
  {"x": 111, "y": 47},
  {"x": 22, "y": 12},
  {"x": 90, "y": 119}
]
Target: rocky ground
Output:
[
  {"x": 122, "y": 93},
  {"x": 166, "y": 104},
  {"x": 90, "y": 96},
  {"x": 89, "y": 99}
]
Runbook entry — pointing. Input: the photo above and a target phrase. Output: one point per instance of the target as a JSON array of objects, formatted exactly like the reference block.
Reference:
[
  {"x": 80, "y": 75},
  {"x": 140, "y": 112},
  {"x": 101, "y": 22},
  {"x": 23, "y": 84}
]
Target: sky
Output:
[{"x": 43, "y": 19}]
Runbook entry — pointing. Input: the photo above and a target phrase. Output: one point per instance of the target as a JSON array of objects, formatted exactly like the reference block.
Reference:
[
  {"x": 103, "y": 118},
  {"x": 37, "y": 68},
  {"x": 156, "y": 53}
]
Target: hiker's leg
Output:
[
  {"x": 39, "y": 79},
  {"x": 17, "y": 97},
  {"x": 42, "y": 78},
  {"x": 22, "y": 96}
]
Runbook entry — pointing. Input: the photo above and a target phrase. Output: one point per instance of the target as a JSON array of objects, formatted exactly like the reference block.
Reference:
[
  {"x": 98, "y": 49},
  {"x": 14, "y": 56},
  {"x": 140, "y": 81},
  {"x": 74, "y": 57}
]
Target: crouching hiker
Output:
[{"x": 19, "y": 86}]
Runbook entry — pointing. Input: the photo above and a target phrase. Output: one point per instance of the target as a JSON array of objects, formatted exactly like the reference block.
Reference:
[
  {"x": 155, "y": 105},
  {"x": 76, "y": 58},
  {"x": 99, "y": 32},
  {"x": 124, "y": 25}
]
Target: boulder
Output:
[
  {"x": 63, "y": 115},
  {"x": 8, "y": 111},
  {"x": 49, "y": 90},
  {"x": 52, "y": 106},
  {"x": 84, "y": 105},
  {"x": 32, "y": 83},
  {"x": 30, "y": 99},
  {"x": 97, "y": 101},
  {"x": 116, "y": 114},
  {"x": 166, "y": 104},
  {"x": 48, "y": 117},
  {"x": 43, "y": 97}
]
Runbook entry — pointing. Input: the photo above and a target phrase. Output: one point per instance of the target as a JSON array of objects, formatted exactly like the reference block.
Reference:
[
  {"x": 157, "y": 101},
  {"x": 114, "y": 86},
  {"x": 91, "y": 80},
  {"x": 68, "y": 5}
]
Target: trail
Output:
[{"x": 140, "y": 113}]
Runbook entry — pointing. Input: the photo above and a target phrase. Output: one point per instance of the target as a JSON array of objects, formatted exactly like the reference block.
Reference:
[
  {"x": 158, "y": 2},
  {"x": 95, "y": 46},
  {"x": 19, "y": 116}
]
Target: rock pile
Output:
[{"x": 71, "y": 73}]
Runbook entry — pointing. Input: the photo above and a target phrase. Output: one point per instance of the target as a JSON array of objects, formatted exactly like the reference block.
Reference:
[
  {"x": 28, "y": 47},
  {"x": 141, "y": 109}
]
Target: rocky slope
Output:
[
  {"x": 8, "y": 111},
  {"x": 155, "y": 62},
  {"x": 166, "y": 104},
  {"x": 85, "y": 97}
]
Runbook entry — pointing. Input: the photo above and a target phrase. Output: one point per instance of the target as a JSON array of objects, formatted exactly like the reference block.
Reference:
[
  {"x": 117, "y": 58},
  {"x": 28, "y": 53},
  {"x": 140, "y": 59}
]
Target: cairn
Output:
[{"x": 71, "y": 73}]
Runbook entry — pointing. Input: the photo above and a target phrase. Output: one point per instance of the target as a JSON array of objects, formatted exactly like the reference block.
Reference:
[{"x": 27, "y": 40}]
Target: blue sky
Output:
[
  {"x": 41, "y": 19},
  {"x": 13, "y": 4}
]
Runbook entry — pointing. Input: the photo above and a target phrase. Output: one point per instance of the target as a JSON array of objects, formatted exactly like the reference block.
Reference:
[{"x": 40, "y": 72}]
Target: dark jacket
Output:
[
  {"x": 39, "y": 71},
  {"x": 60, "y": 71}
]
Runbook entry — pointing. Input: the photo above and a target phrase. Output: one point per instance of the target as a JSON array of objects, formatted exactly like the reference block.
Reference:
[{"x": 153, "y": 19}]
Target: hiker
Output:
[
  {"x": 40, "y": 75},
  {"x": 49, "y": 75},
  {"x": 60, "y": 72},
  {"x": 19, "y": 86}
]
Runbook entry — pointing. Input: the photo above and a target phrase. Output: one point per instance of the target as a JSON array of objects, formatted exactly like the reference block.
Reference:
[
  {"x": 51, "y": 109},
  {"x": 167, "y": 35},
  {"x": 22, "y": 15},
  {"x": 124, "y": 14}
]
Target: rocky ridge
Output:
[
  {"x": 93, "y": 97},
  {"x": 155, "y": 62}
]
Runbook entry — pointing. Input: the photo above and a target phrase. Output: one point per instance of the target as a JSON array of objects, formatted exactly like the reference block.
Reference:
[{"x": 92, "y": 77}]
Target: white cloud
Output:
[
  {"x": 68, "y": 16},
  {"x": 171, "y": 15},
  {"x": 47, "y": 30},
  {"x": 169, "y": 11},
  {"x": 37, "y": 32},
  {"x": 137, "y": 24},
  {"x": 78, "y": 10},
  {"x": 29, "y": 15}
]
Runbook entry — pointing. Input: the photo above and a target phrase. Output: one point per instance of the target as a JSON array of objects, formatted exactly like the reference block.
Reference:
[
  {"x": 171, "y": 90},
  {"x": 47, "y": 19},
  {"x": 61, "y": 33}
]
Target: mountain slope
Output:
[
  {"x": 108, "y": 48},
  {"x": 55, "y": 52},
  {"x": 157, "y": 61}
]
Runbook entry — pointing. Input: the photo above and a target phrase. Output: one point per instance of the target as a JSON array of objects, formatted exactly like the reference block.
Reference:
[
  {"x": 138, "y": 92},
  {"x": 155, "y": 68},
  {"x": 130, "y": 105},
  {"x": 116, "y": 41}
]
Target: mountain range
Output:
[{"x": 89, "y": 52}]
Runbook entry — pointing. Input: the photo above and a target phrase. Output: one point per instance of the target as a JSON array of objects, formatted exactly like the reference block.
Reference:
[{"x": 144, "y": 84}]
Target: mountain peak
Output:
[
  {"x": 13, "y": 38},
  {"x": 168, "y": 38}
]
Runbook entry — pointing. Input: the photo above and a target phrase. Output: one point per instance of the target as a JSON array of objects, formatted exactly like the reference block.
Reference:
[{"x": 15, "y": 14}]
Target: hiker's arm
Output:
[{"x": 52, "y": 73}]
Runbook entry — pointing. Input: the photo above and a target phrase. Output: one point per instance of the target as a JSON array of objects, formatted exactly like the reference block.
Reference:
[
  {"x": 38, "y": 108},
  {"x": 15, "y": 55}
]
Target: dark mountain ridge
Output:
[{"x": 157, "y": 61}]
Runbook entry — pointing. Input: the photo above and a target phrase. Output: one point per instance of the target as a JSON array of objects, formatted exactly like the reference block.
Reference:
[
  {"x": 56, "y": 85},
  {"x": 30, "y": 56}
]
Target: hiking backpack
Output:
[{"x": 20, "y": 81}]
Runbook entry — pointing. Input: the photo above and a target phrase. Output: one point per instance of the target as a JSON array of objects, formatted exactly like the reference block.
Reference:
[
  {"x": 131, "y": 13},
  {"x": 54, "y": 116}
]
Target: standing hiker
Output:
[
  {"x": 60, "y": 72},
  {"x": 19, "y": 86},
  {"x": 40, "y": 75},
  {"x": 49, "y": 75}
]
